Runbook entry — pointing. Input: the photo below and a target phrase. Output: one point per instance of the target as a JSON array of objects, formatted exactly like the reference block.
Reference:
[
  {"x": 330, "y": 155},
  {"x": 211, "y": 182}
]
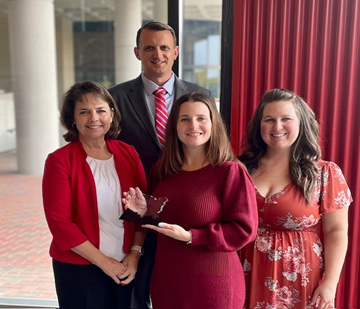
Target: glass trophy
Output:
[{"x": 144, "y": 211}]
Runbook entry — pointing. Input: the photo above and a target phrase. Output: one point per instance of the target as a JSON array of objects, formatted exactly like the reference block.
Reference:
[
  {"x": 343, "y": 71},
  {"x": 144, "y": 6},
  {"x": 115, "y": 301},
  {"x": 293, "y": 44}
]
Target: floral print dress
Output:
[{"x": 285, "y": 263}]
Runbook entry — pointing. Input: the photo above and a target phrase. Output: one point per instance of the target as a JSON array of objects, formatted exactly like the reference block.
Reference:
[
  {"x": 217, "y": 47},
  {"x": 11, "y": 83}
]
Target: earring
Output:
[{"x": 74, "y": 125}]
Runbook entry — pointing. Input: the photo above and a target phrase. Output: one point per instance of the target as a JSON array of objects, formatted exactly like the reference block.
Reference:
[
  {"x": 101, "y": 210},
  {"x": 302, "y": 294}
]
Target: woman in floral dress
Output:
[{"x": 293, "y": 262}]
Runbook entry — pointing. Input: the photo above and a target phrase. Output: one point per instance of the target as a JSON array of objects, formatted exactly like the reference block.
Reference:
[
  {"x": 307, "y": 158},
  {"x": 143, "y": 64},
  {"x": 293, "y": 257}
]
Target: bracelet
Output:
[
  {"x": 189, "y": 242},
  {"x": 136, "y": 248}
]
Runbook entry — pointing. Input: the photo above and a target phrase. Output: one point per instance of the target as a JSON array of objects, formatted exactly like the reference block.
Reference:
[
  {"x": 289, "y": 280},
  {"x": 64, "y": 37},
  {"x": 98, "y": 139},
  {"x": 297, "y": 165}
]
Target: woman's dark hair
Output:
[
  {"x": 218, "y": 148},
  {"x": 305, "y": 151},
  {"x": 76, "y": 94}
]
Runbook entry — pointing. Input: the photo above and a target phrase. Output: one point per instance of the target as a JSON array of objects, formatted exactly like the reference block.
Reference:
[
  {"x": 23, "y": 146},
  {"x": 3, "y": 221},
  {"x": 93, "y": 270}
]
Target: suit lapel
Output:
[
  {"x": 180, "y": 88},
  {"x": 137, "y": 100}
]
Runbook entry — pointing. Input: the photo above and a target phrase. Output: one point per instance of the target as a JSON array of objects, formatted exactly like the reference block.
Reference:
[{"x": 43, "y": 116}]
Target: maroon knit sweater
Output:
[{"x": 218, "y": 205}]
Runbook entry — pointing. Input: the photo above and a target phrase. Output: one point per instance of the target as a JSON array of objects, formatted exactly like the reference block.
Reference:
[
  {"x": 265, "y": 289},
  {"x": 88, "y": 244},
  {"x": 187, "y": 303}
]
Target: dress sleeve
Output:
[
  {"x": 239, "y": 214},
  {"x": 57, "y": 200},
  {"x": 335, "y": 193}
]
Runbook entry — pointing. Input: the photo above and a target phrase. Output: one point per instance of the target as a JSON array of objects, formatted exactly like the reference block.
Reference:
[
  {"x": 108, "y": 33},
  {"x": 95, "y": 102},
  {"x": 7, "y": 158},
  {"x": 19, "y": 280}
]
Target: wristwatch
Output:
[{"x": 137, "y": 248}]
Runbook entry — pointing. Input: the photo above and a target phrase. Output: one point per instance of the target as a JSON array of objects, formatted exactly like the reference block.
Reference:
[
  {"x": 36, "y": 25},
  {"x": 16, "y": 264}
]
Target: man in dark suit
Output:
[{"x": 157, "y": 50}]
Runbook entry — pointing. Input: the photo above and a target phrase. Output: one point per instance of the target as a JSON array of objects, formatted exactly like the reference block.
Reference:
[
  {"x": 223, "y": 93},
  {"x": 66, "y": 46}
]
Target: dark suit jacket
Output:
[{"x": 137, "y": 127}]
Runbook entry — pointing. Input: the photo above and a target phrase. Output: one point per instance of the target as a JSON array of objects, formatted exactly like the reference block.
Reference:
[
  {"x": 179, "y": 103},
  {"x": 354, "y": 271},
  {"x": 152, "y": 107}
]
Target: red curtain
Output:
[{"x": 313, "y": 48}]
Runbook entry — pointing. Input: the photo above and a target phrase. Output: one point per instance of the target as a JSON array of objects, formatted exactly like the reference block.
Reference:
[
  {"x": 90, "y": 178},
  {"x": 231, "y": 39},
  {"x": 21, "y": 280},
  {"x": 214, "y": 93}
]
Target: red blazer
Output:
[{"x": 70, "y": 201}]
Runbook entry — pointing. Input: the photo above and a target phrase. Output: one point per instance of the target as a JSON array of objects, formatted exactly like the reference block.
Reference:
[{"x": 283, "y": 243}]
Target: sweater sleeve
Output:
[
  {"x": 239, "y": 214},
  {"x": 57, "y": 200}
]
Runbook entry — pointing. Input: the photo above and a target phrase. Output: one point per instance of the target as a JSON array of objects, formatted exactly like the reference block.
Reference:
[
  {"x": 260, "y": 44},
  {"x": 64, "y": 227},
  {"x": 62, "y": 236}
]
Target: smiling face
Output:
[
  {"x": 279, "y": 125},
  {"x": 93, "y": 117},
  {"x": 194, "y": 125},
  {"x": 157, "y": 52}
]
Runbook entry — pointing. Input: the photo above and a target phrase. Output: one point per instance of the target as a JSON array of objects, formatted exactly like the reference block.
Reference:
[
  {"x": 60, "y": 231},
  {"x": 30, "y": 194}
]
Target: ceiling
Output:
[{"x": 103, "y": 10}]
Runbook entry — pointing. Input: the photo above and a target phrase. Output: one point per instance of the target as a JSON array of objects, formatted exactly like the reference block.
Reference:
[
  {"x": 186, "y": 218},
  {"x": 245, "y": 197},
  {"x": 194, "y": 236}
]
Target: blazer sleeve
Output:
[
  {"x": 140, "y": 182},
  {"x": 57, "y": 200}
]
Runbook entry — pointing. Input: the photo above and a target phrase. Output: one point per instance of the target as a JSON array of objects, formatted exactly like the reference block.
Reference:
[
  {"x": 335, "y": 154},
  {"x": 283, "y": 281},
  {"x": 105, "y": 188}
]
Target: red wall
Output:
[{"x": 313, "y": 48}]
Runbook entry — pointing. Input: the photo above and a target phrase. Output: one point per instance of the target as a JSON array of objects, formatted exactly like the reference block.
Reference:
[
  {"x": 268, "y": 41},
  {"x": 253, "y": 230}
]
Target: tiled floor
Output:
[{"x": 25, "y": 266}]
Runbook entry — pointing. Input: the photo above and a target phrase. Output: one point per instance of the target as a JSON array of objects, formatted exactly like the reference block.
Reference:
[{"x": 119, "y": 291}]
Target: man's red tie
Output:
[{"x": 160, "y": 113}]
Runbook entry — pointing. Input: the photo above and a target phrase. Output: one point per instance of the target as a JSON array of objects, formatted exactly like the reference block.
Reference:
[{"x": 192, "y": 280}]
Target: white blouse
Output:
[{"x": 108, "y": 193}]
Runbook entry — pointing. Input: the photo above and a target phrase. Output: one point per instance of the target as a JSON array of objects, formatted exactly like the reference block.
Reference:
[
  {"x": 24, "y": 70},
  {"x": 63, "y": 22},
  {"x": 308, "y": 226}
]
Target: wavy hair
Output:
[
  {"x": 76, "y": 94},
  {"x": 217, "y": 149},
  {"x": 305, "y": 151}
]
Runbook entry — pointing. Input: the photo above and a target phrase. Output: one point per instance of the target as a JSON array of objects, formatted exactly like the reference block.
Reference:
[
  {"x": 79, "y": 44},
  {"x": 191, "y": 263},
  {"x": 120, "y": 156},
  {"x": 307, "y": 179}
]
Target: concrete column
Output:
[
  {"x": 65, "y": 55},
  {"x": 65, "y": 62},
  {"x": 7, "y": 122},
  {"x": 33, "y": 65},
  {"x": 127, "y": 21},
  {"x": 161, "y": 11},
  {"x": 5, "y": 68}
]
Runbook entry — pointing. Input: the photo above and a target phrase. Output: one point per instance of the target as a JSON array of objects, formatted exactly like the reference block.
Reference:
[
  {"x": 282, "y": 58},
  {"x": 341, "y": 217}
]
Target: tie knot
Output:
[{"x": 159, "y": 91}]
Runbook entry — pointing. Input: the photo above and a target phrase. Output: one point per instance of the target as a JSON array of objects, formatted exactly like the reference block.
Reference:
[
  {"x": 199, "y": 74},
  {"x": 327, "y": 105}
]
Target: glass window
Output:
[
  {"x": 201, "y": 43},
  {"x": 92, "y": 28},
  {"x": 85, "y": 50}
]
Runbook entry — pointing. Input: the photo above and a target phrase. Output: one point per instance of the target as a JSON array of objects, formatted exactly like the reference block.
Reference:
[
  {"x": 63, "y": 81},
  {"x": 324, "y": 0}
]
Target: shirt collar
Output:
[{"x": 150, "y": 86}]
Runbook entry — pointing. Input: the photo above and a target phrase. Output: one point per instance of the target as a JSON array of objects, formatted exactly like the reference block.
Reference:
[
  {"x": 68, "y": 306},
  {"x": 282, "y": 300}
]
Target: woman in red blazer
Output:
[{"x": 95, "y": 255}]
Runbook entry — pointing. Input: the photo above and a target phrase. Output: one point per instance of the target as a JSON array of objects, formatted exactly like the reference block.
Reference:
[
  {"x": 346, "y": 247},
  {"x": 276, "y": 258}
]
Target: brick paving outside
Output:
[{"x": 25, "y": 265}]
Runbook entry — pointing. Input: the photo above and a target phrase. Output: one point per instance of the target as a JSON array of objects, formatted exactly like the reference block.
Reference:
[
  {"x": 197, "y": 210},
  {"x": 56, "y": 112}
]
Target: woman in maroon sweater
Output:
[
  {"x": 210, "y": 213},
  {"x": 95, "y": 255}
]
